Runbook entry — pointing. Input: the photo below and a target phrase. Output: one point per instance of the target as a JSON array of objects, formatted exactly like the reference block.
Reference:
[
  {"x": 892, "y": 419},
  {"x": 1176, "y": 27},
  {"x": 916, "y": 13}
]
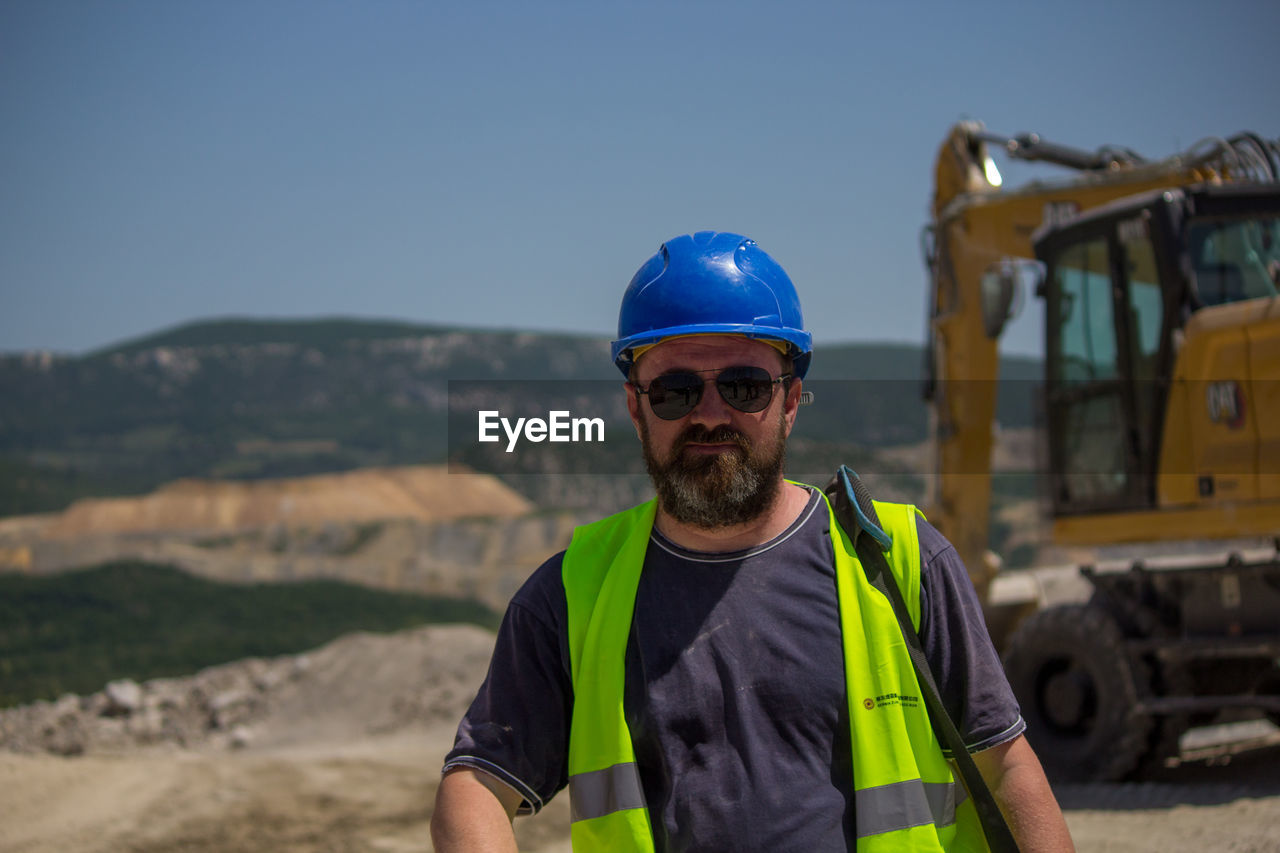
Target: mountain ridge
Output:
[{"x": 243, "y": 398}]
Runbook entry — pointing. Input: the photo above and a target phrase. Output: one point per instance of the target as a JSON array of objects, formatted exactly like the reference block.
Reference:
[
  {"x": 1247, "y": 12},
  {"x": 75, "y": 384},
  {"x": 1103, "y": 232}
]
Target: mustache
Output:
[{"x": 699, "y": 434}]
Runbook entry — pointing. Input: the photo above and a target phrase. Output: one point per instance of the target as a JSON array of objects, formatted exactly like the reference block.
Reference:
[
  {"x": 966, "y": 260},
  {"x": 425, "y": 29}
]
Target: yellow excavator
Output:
[{"x": 1160, "y": 407}]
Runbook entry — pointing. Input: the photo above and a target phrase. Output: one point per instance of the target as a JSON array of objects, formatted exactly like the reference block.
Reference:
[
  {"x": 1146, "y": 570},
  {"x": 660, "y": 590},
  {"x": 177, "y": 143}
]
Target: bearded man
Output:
[{"x": 709, "y": 671}]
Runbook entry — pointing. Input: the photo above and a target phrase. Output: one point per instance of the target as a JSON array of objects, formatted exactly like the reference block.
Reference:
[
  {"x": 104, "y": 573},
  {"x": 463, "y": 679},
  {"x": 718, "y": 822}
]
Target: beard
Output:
[{"x": 722, "y": 489}]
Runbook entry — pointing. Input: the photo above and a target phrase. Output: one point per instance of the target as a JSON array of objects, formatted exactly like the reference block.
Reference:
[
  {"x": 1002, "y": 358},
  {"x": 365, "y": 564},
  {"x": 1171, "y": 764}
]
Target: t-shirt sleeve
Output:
[
  {"x": 954, "y": 634},
  {"x": 517, "y": 728}
]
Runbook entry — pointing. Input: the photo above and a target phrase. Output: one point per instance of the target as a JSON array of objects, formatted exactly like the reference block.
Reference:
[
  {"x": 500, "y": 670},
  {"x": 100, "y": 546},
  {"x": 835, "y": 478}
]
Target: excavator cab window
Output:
[
  {"x": 1146, "y": 300},
  {"x": 1105, "y": 316},
  {"x": 1235, "y": 259},
  {"x": 1085, "y": 325},
  {"x": 1085, "y": 393}
]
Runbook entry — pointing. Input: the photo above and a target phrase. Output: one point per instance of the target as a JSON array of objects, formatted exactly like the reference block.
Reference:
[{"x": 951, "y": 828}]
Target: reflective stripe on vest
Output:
[
  {"x": 601, "y": 792},
  {"x": 907, "y": 804},
  {"x": 885, "y": 809},
  {"x": 905, "y": 794}
]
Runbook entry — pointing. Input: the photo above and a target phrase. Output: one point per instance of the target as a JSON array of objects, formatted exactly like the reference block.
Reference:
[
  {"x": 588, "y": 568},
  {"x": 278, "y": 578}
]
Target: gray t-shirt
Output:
[{"x": 735, "y": 690}]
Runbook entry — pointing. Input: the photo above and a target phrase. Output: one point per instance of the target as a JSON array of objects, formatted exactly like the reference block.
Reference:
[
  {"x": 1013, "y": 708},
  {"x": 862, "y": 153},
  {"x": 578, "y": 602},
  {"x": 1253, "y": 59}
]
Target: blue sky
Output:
[{"x": 506, "y": 164}]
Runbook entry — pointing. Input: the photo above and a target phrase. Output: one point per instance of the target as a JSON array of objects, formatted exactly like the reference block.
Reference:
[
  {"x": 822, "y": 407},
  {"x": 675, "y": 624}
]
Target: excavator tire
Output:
[{"x": 1078, "y": 692}]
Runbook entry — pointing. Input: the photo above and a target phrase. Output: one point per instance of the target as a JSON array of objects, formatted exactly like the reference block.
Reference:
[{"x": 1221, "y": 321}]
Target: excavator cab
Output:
[{"x": 1125, "y": 285}]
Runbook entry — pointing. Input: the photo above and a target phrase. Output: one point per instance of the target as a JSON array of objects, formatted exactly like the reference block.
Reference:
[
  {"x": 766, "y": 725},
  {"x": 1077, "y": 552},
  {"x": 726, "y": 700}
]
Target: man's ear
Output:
[
  {"x": 791, "y": 403},
  {"x": 633, "y": 405}
]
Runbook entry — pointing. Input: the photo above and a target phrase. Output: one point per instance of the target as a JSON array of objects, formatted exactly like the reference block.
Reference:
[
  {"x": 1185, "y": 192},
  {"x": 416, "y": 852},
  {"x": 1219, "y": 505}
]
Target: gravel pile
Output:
[{"x": 359, "y": 684}]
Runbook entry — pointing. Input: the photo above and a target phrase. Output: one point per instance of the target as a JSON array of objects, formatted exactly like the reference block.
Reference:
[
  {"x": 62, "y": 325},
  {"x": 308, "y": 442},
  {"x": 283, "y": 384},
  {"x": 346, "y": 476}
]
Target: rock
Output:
[
  {"x": 166, "y": 694},
  {"x": 123, "y": 697},
  {"x": 147, "y": 725},
  {"x": 68, "y": 705},
  {"x": 229, "y": 708},
  {"x": 240, "y": 737},
  {"x": 64, "y": 737},
  {"x": 95, "y": 704},
  {"x": 272, "y": 674}
]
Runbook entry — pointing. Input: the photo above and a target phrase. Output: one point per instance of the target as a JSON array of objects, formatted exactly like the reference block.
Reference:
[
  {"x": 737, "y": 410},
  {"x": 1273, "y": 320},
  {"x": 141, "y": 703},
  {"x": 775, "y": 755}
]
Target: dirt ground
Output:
[
  {"x": 327, "y": 780},
  {"x": 373, "y": 794}
]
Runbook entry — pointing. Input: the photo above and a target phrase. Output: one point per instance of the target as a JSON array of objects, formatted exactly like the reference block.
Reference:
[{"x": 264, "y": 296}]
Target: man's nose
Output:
[{"x": 711, "y": 410}]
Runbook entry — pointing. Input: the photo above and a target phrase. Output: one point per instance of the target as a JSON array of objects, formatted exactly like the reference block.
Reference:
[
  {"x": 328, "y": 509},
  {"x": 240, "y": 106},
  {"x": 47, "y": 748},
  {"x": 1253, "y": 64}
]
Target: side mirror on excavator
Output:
[{"x": 1004, "y": 286}]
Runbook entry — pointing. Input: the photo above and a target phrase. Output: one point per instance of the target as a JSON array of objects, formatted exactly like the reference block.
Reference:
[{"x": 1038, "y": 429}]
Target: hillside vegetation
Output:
[
  {"x": 249, "y": 399},
  {"x": 73, "y": 632}
]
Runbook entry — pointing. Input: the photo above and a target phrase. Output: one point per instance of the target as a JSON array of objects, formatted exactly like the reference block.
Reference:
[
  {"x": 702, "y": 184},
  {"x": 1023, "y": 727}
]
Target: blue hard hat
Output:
[{"x": 711, "y": 283}]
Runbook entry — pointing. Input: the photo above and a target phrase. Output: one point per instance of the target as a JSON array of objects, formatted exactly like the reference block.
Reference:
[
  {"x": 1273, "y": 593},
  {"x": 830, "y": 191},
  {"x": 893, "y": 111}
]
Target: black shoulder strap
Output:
[{"x": 857, "y": 515}]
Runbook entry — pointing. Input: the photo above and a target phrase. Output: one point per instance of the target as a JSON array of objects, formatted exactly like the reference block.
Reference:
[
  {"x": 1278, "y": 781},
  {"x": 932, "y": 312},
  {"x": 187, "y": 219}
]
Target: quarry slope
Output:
[
  {"x": 426, "y": 529},
  {"x": 421, "y": 493}
]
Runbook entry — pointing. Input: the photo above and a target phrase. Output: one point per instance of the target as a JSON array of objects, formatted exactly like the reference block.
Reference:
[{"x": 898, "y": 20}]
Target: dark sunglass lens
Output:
[
  {"x": 674, "y": 395},
  {"x": 747, "y": 389}
]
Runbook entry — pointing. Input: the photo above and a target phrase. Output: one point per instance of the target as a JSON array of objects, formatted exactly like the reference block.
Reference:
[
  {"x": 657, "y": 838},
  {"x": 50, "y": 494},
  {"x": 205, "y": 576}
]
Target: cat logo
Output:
[
  {"x": 1055, "y": 213},
  {"x": 1225, "y": 402}
]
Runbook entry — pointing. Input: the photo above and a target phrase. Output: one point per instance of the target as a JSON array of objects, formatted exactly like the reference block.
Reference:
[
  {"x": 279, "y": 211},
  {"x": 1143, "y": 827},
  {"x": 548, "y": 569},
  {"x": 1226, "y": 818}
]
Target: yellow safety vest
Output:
[{"x": 905, "y": 795}]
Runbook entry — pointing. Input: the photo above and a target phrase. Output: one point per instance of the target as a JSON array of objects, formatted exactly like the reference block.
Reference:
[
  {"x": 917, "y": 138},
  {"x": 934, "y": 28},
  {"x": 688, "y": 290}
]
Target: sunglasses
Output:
[{"x": 747, "y": 389}]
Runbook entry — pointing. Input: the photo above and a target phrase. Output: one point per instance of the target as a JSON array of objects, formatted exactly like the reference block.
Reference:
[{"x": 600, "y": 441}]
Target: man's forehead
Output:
[{"x": 694, "y": 351}]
